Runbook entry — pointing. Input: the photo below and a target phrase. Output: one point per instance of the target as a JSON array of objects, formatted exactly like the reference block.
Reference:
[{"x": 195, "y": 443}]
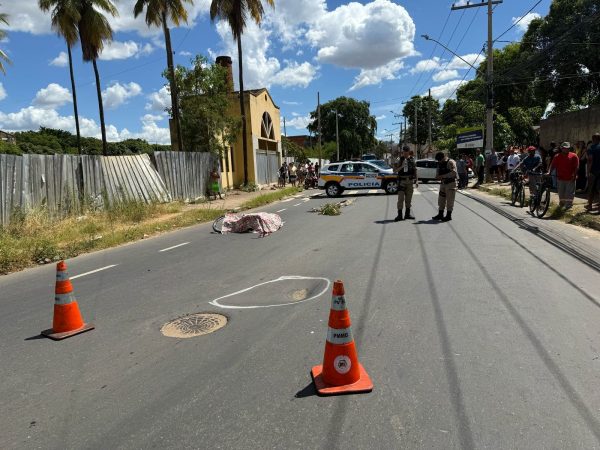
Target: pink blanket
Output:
[{"x": 261, "y": 223}]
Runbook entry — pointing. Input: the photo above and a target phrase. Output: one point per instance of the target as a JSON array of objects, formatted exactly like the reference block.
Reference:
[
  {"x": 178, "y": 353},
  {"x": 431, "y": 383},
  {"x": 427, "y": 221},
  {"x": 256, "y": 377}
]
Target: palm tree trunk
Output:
[
  {"x": 172, "y": 84},
  {"x": 100, "y": 108},
  {"x": 74, "y": 100},
  {"x": 242, "y": 109}
]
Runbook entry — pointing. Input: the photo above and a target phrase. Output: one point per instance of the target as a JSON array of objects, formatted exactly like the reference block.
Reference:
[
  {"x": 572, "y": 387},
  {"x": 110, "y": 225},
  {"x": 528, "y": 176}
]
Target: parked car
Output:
[
  {"x": 369, "y": 157},
  {"x": 426, "y": 169},
  {"x": 335, "y": 178}
]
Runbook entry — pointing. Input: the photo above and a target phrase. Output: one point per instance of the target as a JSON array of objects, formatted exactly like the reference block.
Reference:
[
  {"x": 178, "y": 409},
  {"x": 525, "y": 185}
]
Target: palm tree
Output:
[
  {"x": 157, "y": 13},
  {"x": 94, "y": 31},
  {"x": 236, "y": 12},
  {"x": 65, "y": 17},
  {"x": 3, "y": 56}
]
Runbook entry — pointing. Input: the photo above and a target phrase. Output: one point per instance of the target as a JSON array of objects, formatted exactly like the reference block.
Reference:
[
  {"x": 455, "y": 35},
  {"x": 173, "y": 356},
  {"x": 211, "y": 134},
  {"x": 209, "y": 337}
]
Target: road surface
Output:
[{"x": 476, "y": 333}]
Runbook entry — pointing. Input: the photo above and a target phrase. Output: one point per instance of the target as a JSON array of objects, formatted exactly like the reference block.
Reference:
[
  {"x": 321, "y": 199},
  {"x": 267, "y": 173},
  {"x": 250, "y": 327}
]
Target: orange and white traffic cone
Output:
[
  {"x": 341, "y": 373},
  {"x": 67, "y": 318}
]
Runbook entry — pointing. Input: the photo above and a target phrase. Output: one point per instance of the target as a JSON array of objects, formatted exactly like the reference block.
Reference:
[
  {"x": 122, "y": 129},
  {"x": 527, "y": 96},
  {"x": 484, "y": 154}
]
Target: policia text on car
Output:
[
  {"x": 407, "y": 176},
  {"x": 447, "y": 176}
]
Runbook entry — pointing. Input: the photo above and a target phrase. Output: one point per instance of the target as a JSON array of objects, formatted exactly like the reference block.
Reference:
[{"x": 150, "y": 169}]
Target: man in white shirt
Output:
[{"x": 512, "y": 161}]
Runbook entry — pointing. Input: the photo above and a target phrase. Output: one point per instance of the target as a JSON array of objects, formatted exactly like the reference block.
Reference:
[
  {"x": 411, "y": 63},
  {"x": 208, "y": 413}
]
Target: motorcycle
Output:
[{"x": 311, "y": 181}]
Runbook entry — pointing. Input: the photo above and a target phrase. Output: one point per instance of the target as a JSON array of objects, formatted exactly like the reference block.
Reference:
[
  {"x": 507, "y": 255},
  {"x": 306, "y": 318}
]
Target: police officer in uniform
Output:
[
  {"x": 447, "y": 175},
  {"x": 407, "y": 175}
]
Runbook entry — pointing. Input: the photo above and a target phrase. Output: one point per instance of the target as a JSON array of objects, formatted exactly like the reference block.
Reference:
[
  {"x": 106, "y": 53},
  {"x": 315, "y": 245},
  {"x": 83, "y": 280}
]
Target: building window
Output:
[{"x": 267, "y": 127}]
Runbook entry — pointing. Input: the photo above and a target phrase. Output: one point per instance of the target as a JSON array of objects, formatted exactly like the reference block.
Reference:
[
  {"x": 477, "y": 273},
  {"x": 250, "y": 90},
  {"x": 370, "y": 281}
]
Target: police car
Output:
[{"x": 337, "y": 177}]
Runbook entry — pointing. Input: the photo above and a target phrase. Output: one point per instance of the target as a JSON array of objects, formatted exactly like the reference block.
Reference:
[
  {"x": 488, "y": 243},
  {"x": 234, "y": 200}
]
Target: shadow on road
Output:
[
  {"x": 308, "y": 391},
  {"x": 35, "y": 338},
  {"x": 428, "y": 222},
  {"x": 383, "y": 222}
]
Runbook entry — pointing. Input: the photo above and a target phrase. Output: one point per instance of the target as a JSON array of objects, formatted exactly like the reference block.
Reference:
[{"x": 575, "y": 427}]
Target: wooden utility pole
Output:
[
  {"x": 429, "y": 113},
  {"x": 319, "y": 124},
  {"x": 337, "y": 136},
  {"x": 284, "y": 146}
]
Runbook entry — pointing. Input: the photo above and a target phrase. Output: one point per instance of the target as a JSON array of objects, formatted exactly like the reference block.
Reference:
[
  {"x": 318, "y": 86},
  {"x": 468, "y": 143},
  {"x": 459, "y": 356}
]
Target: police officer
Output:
[
  {"x": 447, "y": 175},
  {"x": 407, "y": 175}
]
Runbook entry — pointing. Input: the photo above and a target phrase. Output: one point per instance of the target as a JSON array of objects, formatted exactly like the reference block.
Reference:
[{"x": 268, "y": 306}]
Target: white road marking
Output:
[
  {"x": 287, "y": 200},
  {"x": 171, "y": 248},
  {"x": 372, "y": 191},
  {"x": 215, "y": 302},
  {"x": 282, "y": 210},
  {"x": 93, "y": 271},
  {"x": 297, "y": 204},
  {"x": 352, "y": 192}
]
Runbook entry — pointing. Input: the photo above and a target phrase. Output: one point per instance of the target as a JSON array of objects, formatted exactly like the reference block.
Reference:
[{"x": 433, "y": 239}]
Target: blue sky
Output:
[{"x": 369, "y": 50}]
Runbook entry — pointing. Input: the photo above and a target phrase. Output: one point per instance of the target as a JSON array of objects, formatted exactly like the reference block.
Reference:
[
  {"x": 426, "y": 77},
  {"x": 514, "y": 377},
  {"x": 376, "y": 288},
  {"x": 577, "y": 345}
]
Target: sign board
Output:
[{"x": 469, "y": 138}]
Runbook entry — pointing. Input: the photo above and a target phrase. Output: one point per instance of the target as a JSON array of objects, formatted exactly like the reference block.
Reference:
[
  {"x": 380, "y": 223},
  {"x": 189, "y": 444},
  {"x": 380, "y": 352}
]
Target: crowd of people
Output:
[
  {"x": 296, "y": 173},
  {"x": 572, "y": 168}
]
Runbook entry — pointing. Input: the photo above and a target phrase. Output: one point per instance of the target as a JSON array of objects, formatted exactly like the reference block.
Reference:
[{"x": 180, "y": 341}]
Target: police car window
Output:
[
  {"x": 348, "y": 168},
  {"x": 368, "y": 168},
  {"x": 421, "y": 163},
  {"x": 333, "y": 168}
]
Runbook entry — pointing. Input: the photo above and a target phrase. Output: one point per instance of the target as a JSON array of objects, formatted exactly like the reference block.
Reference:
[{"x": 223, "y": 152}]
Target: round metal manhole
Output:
[{"x": 193, "y": 325}]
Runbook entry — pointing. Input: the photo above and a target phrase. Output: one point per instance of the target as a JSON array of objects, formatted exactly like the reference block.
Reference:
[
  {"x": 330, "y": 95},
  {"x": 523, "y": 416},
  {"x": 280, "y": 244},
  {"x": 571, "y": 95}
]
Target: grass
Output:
[
  {"x": 330, "y": 209},
  {"x": 37, "y": 238}
]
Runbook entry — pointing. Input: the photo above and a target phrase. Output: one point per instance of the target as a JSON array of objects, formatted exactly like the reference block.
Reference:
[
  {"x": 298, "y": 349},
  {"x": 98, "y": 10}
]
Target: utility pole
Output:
[
  {"x": 429, "y": 113},
  {"x": 319, "y": 124},
  {"x": 489, "y": 133},
  {"x": 337, "y": 136},
  {"x": 284, "y": 147},
  {"x": 416, "y": 131}
]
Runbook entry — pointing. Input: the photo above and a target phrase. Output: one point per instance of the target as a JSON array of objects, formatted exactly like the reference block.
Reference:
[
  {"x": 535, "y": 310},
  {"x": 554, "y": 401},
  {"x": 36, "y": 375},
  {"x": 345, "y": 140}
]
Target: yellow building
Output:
[{"x": 263, "y": 135}]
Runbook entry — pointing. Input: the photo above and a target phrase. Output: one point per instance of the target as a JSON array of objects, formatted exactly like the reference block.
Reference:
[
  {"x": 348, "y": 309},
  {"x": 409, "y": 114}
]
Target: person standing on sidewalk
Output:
[
  {"x": 407, "y": 175},
  {"x": 593, "y": 170},
  {"x": 512, "y": 161},
  {"x": 447, "y": 176},
  {"x": 566, "y": 164},
  {"x": 463, "y": 174},
  {"x": 479, "y": 167}
]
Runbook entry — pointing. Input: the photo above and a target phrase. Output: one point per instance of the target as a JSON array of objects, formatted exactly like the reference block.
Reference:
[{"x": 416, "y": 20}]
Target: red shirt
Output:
[{"x": 565, "y": 165}]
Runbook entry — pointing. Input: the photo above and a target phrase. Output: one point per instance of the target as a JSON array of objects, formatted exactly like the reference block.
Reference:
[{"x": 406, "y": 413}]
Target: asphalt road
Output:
[{"x": 476, "y": 333}]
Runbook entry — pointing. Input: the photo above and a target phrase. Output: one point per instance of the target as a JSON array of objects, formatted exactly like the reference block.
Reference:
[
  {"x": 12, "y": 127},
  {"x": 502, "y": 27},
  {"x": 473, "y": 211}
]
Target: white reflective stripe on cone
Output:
[
  {"x": 62, "y": 275},
  {"x": 339, "y": 336},
  {"x": 63, "y": 299},
  {"x": 338, "y": 303}
]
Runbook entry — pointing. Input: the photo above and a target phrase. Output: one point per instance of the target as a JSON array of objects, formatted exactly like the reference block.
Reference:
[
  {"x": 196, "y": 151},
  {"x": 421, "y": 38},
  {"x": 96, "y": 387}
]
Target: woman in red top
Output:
[{"x": 566, "y": 164}]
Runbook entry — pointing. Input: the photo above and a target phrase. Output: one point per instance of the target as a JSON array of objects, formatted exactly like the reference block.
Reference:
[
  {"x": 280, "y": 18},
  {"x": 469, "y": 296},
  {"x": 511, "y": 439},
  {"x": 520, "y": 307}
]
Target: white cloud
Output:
[
  {"x": 159, "y": 100},
  {"x": 117, "y": 94},
  {"x": 32, "y": 118},
  {"x": 460, "y": 3},
  {"x": 295, "y": 74},
  {"x": 527, "y": 19},
  {"x": 363, "y": 36},
  {"x": 291, "y": 18},
  {"x": 426, "y": 65},
  {"x": 185, "y": 53},
  {"x": 444, "y": 91},
  {"x": 285, "y": 102},
  {"x": 445, "y": 75},
  {"x": 3, "y": 94},
  {"x": 298, "y": 123},
  {"x": 381, "y": 117},
  {"x": 124, "y": 50},
  {"x": 368, "y": 77},
  {"x": 457, "y": 63},
  {"x": 62, "y": 60},
  {"x": 52, "y": 96}
]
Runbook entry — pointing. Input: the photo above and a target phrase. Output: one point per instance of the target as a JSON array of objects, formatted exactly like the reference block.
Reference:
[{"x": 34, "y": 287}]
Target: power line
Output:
[
  {"x": 517, "y": 22},
  {"x": 466, "y": 74}
]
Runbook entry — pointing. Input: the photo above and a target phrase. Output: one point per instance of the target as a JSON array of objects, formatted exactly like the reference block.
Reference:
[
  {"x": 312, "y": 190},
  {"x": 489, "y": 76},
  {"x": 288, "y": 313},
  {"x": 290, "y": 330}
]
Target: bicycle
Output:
[
  {"x": 517, "y": 193},
  {"x": 540, "y": 202}
]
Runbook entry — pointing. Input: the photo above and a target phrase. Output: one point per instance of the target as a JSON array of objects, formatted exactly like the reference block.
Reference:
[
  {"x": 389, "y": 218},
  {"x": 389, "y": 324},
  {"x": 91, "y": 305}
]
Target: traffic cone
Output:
[
  {"x": 341, "y": 373},
  {"x": 67, "y": 318}
]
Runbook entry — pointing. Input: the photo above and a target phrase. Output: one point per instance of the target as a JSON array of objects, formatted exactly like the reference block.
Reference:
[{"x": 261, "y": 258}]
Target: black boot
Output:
[
  {"x": 399, "y": 216},
  {"x": 407, "y": 214},
  {"x": 440, "y": 215},
  {"x": 448, "y": 217}
]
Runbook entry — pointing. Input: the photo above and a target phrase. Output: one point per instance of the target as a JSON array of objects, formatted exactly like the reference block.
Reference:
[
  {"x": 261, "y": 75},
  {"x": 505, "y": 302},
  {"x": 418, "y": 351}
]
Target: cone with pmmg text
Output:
[
  {"x": 67, "y": 318},
  {"x": 340, "y": 373}
]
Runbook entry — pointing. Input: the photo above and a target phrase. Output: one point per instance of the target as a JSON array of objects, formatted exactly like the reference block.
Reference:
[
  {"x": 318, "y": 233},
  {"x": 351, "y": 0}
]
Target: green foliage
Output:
[
  {"x": 357, "y": 127},
  {"x": 11, "y": 149},
  {"x": 293, "y": 150},
  {"x": 249, "y": 187},
  {"x": 265, "y": 199},
  {"x": 421, "y": 106},
  {"x": 330, "y": 209},
  {"x": 206, "y": 121}
]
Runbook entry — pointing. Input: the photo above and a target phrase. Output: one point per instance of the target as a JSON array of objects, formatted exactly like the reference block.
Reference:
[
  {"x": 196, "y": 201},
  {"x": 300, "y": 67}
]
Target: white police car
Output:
[{"x": 337, "y": 177}]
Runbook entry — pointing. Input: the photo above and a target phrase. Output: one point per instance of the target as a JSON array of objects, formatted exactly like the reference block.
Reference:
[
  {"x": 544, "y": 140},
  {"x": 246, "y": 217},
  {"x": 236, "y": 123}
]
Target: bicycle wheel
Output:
[
  {"x": 218, "y": 224},
  {"x": 543, "y": 204},
  {"x": 514, "y": 194},
  {"x": 521, "y": 197},
  {"x": 533, "y": 200}
]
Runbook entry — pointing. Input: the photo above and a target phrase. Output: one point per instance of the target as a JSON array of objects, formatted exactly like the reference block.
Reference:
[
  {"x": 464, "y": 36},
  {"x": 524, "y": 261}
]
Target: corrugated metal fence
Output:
[
  {"x": 185, "y": 173},
  {"x": 56, "y": 181}
]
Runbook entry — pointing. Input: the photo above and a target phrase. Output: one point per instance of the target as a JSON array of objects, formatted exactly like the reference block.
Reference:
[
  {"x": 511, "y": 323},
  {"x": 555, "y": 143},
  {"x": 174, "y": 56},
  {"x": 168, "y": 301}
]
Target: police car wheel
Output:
[
  {"x": 391, "y": 187},
  {"x": 333, "y": 190}
]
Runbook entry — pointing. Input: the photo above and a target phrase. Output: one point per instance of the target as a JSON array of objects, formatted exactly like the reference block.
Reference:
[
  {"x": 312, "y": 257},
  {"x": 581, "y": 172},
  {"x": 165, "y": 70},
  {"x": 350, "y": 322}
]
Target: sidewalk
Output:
[
  {"x": 233, "y": 199},
  {"x": 575, "y": 216}
]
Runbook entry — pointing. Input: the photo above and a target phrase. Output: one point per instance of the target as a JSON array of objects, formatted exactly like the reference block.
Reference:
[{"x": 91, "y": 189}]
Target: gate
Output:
[{"x": 267, "y": 167}]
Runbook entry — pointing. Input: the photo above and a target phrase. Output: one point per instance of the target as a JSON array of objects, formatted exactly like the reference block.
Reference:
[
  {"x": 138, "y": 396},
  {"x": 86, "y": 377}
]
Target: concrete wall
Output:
[{"x": 572, "y": 127}]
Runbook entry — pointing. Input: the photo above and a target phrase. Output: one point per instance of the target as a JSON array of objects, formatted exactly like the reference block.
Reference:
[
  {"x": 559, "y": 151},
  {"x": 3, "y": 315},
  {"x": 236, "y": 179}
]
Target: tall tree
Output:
[
  {"x": 158, "y": 12},
  {"x": 235, "y": 13},
  {"x": 94, "y": 32},
  {"x": 422, "y": 105},
  {"x": 65, "y": 17},
  {"x": 3, "y": 56}
]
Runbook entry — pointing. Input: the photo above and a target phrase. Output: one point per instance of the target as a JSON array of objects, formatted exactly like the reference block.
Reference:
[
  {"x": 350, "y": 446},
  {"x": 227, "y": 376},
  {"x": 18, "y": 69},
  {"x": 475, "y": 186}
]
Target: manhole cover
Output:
[{"x": 193, "y": 325}]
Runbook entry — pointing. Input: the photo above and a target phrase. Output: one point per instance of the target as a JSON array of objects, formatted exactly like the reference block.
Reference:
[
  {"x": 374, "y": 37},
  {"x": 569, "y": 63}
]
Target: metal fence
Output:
[
  {"x": 186, "y": 174},
  {"x": 60, "y": 183}
]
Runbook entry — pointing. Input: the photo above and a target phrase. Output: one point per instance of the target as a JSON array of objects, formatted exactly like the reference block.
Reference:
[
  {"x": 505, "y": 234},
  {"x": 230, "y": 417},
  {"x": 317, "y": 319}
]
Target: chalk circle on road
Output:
[{"x": 283, "y": 291}]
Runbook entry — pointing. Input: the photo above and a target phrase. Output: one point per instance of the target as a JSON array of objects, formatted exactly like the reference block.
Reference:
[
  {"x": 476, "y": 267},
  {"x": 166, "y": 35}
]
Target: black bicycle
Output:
[
  {"x": 517, "y": 193},
  {"x": 540, "y": 202}
]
